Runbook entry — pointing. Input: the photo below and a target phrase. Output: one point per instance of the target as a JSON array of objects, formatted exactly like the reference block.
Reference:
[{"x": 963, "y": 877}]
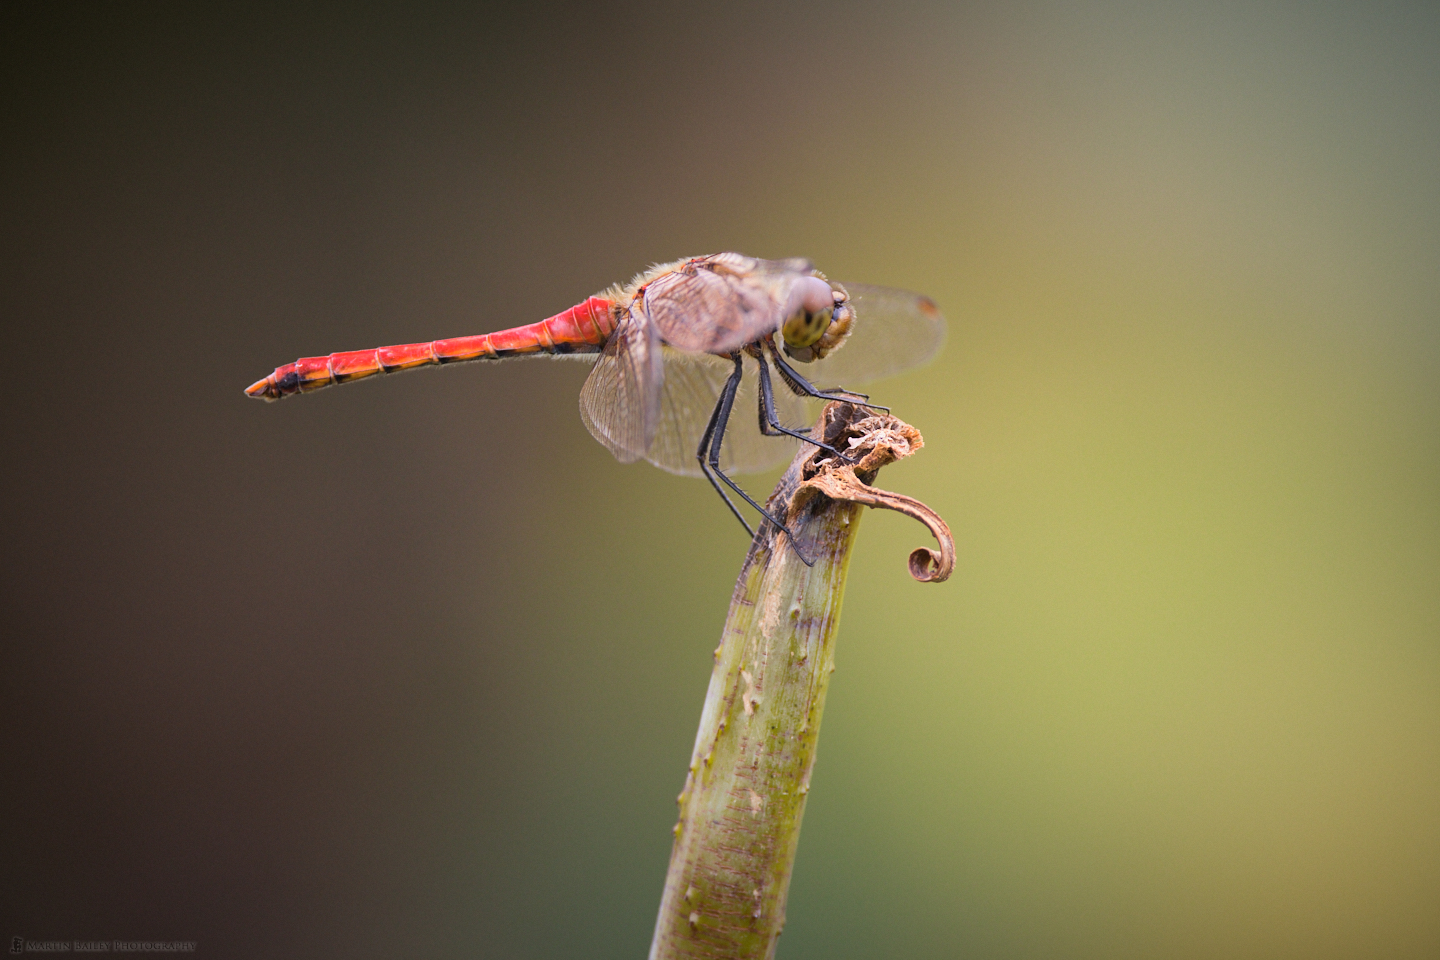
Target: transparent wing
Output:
[
  {"x": 720, "y": 303},
  {"x": 692, "y": 388},
  {"x": 894, "y": 330},
  {"x": 620, "y": 402}
]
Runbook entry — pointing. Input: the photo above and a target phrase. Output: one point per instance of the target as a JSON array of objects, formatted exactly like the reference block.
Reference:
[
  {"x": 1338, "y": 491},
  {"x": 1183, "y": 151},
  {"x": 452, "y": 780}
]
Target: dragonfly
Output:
[{"x": 678, "y": 347}]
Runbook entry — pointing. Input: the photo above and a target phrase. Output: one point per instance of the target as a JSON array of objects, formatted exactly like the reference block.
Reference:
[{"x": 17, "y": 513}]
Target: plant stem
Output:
[{"x": 750, "y": 771}]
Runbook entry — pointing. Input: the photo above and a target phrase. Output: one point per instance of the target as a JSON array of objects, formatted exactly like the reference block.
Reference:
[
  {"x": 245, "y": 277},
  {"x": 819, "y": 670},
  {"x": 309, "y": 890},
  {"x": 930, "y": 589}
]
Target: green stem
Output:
[{"x": 750, "y": 771}]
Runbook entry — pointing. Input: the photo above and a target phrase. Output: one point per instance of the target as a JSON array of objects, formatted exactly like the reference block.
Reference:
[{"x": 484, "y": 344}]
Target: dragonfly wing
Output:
[
  {"x": 692, "y": 388},
  {"x": 620, "y": 402},
  {"x": 894, "y": 330},
  {"x": 718, "y": 304},
  {"x": 746, "y": 449}
]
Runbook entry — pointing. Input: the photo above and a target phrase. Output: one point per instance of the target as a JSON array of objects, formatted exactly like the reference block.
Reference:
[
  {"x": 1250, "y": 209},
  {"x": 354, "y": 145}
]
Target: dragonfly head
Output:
[{"x": 820, "y": 322}]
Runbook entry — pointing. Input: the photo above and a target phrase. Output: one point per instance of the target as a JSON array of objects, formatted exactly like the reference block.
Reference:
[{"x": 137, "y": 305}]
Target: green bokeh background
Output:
[{"x": 413, "y": 668}]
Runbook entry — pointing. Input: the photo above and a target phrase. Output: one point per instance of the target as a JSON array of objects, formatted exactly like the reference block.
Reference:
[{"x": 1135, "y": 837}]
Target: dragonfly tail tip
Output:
[{"x": 260, "y": 389}]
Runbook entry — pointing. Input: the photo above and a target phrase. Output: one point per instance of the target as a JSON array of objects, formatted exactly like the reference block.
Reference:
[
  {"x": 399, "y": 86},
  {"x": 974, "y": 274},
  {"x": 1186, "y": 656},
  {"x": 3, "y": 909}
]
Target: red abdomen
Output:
[{"x": 583, "y": 328}]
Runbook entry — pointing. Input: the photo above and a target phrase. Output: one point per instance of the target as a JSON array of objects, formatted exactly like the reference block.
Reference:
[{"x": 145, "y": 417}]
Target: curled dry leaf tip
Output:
[{"x": 872, "y": 440}]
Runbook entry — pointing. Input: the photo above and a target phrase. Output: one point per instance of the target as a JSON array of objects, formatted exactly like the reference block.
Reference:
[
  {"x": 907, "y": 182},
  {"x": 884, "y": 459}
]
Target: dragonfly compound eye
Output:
[
  {"x": 804, "y": 328},
  {"x": 813, "y": 331},
  {"x": 808, "y": 313}
]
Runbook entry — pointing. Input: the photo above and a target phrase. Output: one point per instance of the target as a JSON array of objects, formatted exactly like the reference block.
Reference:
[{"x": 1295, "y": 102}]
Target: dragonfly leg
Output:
[
  {"x": 703, "y": 453},
  {"x": 806, "y": 388},
  {"x": 715, "y": 438},
  {"x": 770, "y": 424}
]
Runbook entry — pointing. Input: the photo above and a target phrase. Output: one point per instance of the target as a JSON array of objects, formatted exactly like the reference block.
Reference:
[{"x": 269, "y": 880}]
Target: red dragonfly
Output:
[{"x": 670, "y": 351}]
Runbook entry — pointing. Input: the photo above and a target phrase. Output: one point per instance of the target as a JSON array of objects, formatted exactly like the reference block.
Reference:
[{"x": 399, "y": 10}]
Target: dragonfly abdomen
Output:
[{"x": 583, "y": 328}]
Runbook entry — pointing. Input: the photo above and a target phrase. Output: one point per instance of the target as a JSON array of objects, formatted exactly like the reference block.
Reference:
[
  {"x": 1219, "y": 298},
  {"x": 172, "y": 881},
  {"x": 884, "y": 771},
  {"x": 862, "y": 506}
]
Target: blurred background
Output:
[{"x": 414, "y": 668}]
